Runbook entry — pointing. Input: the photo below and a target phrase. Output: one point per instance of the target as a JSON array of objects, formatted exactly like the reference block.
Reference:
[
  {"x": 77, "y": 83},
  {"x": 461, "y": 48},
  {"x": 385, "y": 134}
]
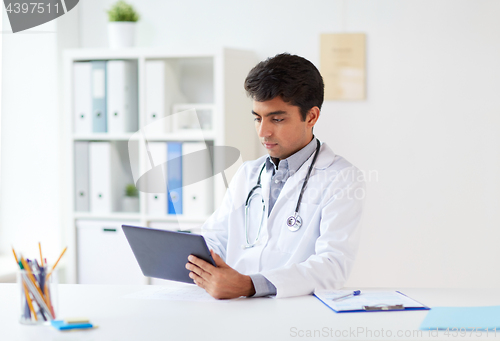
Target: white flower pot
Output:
[
  {"x": 130, "y": 204},
  {"x": 121, "y": 34}
]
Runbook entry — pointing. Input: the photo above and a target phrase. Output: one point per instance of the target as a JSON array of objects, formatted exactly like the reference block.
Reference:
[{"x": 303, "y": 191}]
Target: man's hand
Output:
[{"x": 221, "y": 281}]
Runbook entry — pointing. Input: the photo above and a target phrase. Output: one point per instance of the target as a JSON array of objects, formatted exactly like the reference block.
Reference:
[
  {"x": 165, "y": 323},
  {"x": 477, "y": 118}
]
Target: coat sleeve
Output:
[{"x": 335, "y": 248}]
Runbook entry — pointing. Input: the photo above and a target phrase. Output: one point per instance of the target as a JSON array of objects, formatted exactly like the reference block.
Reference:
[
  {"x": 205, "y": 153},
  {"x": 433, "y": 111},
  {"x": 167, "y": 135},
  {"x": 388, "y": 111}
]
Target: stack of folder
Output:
[
  {"x": 181, "y": 194},
  {"x": 105, "y": 96},
  {"x": 100, "y": 176}
]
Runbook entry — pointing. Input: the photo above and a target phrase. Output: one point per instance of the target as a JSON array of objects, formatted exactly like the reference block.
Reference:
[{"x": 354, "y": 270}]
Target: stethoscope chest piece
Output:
[{"x": 294, "y": 222}]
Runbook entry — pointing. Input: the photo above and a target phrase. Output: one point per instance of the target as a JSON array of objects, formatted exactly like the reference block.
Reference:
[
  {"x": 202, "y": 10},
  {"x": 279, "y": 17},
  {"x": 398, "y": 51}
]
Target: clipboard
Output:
[{"x": 368, "y": 301}]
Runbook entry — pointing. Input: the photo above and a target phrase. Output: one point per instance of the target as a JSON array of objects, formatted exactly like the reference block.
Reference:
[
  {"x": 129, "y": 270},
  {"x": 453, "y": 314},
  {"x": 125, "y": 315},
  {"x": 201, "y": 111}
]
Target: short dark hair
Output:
[{"x": 295, "y": 79}]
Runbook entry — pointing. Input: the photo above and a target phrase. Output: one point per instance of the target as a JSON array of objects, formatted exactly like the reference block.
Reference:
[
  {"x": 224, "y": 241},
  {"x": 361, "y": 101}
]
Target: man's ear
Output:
[{"x": 312, "y": 117}]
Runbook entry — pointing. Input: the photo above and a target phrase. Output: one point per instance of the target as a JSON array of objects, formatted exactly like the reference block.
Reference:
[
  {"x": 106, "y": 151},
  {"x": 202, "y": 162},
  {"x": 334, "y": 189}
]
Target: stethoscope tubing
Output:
[
  {"x": 307, "y": 177},
  {"x": 296, "y": 217}
]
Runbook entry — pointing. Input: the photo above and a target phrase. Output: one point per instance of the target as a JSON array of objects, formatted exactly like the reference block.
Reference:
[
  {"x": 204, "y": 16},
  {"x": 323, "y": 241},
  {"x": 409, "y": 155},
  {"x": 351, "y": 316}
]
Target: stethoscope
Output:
[{"x": 294, "y": 222}]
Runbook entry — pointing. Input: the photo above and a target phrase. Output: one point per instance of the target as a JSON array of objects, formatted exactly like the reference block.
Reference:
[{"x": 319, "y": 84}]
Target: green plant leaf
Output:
[
  {"x": 131, "y": 191},
  {"x": 121, "y": 11}
]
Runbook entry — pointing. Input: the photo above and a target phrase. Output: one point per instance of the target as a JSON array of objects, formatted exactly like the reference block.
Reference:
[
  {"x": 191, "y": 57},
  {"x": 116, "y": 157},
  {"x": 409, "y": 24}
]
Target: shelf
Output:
[
  {"x": 209, "y": 81},
  {"x": 180, "y": 136},
  {"x": 107, "y": 216},
  {"x": 105, "y": 136},
  {"x": 165, "y": 218},
  {"x": 137, "y": 216},
  {"x": 183, "y": 136},
  {"x": 135, "y": 53}
]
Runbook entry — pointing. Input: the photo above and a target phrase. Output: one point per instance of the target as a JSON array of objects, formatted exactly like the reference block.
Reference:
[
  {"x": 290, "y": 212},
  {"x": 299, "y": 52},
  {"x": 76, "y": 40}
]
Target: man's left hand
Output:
[{"x": 221, "y": 281}]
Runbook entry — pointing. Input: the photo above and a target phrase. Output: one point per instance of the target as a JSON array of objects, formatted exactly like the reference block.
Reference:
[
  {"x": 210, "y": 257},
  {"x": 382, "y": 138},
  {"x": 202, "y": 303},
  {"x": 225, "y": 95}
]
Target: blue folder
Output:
[
  {"x": 174, "y": 177},
  {"x": 462, "y": 318}
]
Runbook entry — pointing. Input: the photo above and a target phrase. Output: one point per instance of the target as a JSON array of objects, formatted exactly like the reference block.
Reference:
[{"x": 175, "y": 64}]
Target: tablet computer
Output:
[{"x": 164, "y": 254}]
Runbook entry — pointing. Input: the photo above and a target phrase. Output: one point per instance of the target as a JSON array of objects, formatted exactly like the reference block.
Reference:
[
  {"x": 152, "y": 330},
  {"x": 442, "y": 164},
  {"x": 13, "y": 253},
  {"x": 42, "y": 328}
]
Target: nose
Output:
[{"x": 264, "y": 129}]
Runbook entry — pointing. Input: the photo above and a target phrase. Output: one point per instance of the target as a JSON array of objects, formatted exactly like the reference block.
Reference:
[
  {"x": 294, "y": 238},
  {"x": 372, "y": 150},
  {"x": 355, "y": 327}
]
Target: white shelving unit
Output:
[{"x": 215, "y": 77}]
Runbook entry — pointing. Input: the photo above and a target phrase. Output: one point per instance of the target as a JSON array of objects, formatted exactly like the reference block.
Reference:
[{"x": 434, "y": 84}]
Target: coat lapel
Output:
[{"x": 291, "y": 190}]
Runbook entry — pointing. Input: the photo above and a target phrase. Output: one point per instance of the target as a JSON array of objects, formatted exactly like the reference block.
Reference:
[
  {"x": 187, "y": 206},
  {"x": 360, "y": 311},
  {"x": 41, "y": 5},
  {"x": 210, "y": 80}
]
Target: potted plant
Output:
[
  {"x": 131, "y": 199},
  {"x": 121, "y": 26}
]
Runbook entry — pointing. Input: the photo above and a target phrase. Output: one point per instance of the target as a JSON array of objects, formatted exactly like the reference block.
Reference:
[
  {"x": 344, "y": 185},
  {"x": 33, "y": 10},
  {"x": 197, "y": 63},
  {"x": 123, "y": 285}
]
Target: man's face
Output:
[{"x": 280, "y": 127}]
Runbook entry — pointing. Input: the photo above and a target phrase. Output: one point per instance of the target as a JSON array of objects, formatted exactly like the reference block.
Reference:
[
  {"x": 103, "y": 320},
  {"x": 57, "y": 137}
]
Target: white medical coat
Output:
[{"x": 320, "y": 255}]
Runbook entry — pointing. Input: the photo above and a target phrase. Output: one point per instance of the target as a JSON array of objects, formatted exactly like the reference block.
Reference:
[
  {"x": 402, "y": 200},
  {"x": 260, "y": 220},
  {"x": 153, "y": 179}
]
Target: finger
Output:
[
  {"x": 201, "y": 264},
  {"x": 218, "y": 260},
  {"x": 196, "y": 264},
  {"x": 197, "y": 270},
  {"x": 197, "y": 280}
]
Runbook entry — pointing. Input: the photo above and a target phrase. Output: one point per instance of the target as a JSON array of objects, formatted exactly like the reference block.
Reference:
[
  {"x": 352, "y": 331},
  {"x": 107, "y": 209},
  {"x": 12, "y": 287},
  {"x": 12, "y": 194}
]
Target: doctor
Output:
[{"x": 289, "y": 221}]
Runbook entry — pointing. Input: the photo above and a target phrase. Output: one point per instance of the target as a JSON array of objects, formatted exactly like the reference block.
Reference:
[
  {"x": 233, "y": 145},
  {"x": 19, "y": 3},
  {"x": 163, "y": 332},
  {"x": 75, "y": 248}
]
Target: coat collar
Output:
[{"x": 325, "y": 158}]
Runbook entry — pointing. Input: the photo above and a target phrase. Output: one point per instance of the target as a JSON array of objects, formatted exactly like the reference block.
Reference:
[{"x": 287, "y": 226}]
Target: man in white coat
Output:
[{"x": 271, "y": 249}]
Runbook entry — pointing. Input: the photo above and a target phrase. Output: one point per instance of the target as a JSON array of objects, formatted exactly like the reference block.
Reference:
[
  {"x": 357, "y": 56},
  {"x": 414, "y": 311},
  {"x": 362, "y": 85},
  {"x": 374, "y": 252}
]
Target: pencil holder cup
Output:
[{"x": 39, "y": 296}]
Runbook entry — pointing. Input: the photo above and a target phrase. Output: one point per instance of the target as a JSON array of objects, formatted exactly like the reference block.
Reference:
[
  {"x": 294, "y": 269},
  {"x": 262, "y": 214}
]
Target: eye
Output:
[
  {"x": 278, "y": 119},
  {"x": 257, "y": 119}
]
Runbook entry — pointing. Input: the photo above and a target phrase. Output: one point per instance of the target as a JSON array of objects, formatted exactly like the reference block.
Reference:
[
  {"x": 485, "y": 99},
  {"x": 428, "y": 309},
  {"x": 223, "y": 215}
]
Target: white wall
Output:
[
  {"x": 428, "y": 127},
  {"x": 31, "y": 134}
]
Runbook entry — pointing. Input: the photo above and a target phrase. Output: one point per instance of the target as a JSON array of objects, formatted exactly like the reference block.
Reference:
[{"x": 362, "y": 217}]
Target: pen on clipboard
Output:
[{"x": 354, "y": 293}]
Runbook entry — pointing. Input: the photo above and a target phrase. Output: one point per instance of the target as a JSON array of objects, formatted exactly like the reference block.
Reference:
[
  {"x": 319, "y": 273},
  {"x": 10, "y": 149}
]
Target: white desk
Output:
[{"x": 122, "y": 318}]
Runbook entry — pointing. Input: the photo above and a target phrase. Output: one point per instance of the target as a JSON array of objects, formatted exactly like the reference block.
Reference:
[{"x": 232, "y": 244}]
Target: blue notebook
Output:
[
  {"x": 468, "y": 318},
  {"x": 61, "y": 325}
]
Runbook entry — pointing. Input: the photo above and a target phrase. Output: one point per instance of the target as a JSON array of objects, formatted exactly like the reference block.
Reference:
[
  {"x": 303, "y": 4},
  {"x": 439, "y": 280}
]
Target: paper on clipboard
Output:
[{"x": 366, "y": 298}]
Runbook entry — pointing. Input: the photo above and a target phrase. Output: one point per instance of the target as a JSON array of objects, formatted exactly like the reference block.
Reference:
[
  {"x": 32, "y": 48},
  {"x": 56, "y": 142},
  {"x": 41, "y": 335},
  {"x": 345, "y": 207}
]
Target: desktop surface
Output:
[{"x": 122, "y": 318}]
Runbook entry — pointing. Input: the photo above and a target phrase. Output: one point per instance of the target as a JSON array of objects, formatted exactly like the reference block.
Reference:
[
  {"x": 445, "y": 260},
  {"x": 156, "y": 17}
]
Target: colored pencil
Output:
[
  {"x": 62, "y": 253},
  {"x": 31, "y": 277},
  {"x": 28, "y": 299},
  {"x": 32, "y": 286},
  {"x": 15, "y": 256},
  {"x": 40, "y": 248}
]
